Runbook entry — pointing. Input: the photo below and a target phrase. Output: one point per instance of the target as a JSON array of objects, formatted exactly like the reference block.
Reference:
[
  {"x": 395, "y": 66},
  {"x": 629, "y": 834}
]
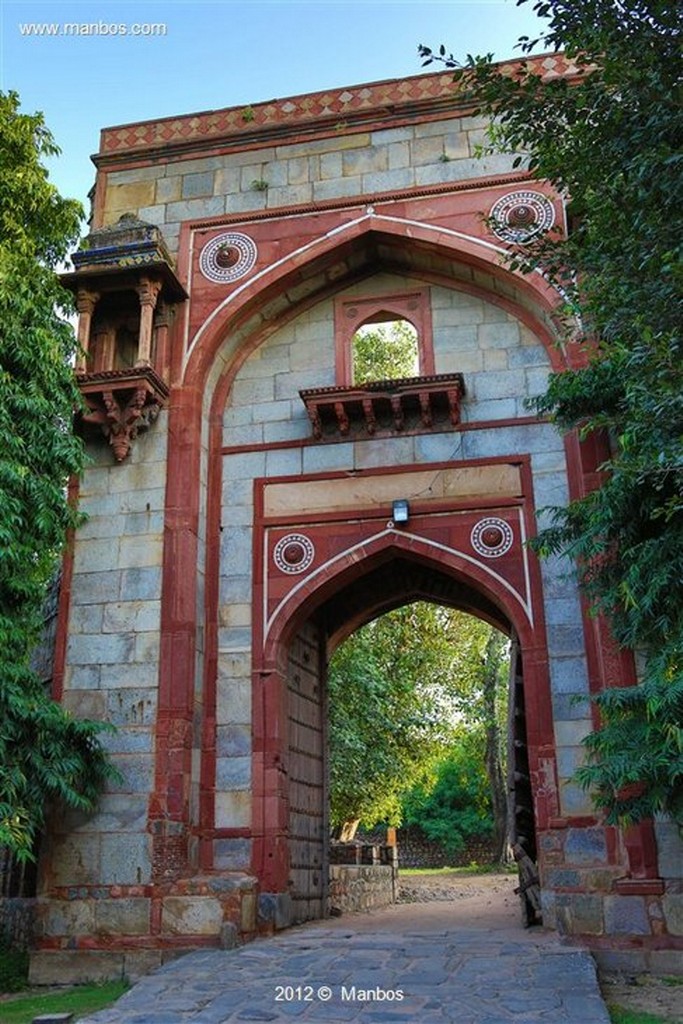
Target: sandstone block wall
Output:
[
  {"x": 111, "y": 674},
  {"x": 351, "y": 163}
]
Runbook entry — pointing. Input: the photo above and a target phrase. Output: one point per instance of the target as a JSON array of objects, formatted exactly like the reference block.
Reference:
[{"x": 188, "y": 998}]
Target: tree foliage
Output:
[
  {"x": 403, "y": 691},
  {"x": 609, "y": 141},
  {"x": 455, "y": 805},
  {"x": 385, "y": 688},
  {"x": 45, "y": 754},
  {"x": 384, "y": 351}
]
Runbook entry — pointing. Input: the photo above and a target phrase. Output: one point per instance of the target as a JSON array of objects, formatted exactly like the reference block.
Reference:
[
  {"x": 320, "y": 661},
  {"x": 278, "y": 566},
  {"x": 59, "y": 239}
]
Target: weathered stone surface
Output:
[
  {"x": 122, "y": 916},
  {"x": 585, "y": 846},
  {"x": 232, "y": 854},
  {"x": 65, "y": 917},
  {"x": 233, "y": 740},
  {"x": 75, "y": 860},
  {"x": 275, "y": 907},
  {"x": 99, "y": 648},
  {"x": 131, "y": 706},
  {"x": 672, "y": 904},
  {"x": 229, "y": 938},
  {"x": 626, "y": 915},
  {"x": 669, "y": 849},
  {"x": 563, "y": 878},
  {"x": 125, "y": 859},
  {"x": 233, "y": 772},
  {"x": 198, "y": 184},
  {"x": 168, "y": 190},
  {"x": 574, "y": 800},
  {"x": 579, "y": 914},
  {"x": 191, "y": 915},
  {"x": 233, "y": 809},
  {"x": 116, "y": 812},
  {"x": 52, "y": 967}
]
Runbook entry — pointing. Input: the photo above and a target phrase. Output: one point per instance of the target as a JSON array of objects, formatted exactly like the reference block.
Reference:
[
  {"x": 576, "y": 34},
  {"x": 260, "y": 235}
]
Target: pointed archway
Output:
[{"x": 395, "y": 568}]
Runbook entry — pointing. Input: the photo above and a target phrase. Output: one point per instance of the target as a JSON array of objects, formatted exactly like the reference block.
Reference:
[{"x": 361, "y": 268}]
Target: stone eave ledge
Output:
[{"x": 406, "y": 405}]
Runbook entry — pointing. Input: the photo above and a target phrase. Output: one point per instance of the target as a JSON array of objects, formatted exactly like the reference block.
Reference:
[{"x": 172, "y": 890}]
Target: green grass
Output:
[
  {"x": 619, "y": 1015},
  {"x": 79, "y": 1000},
  {"x": 470, "y": 869}
]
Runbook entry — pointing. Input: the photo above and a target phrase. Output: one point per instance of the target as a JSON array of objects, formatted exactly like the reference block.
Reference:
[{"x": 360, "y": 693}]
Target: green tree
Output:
[
  {"x": 386, "y": 722},
  {"x": 402, "y": 691},
  {"x": 478, "y": 693},
  {"x": 45, "y": 754},
  {"x": 609, "y": 140},
  {"x": 384, "y": 351},
  {"x": 455, "y": 806}
]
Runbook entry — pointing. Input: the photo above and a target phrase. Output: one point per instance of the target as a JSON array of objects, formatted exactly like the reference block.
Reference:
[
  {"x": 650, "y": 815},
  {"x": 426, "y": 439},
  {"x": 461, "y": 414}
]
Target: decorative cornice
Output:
[
  {"x": 318, "y": 112},
  {"x": 367, "y": 199},
  {"x": 122, "y": 250}
]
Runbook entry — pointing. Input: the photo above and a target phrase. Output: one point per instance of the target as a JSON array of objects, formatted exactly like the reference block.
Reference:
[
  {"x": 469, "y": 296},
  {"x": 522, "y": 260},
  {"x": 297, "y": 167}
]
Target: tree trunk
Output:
[
  {"x": 346, "y": 832},
  {"x": 493, "y": 758}
]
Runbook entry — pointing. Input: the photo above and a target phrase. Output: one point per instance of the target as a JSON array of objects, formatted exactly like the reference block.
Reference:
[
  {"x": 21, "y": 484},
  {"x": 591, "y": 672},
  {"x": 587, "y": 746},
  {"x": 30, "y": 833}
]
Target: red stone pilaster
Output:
[
  {"x": 169, "y": 804},
  {"x": 270, "y": 820}
]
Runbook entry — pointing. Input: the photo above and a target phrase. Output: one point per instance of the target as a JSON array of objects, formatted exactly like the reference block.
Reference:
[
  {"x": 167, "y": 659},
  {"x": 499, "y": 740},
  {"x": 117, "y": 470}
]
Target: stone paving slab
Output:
[{"x": 320, "y": 973}]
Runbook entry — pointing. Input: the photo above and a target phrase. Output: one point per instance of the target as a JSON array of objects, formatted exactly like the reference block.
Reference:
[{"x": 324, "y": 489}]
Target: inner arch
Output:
[{"x": 374, "y": 588}]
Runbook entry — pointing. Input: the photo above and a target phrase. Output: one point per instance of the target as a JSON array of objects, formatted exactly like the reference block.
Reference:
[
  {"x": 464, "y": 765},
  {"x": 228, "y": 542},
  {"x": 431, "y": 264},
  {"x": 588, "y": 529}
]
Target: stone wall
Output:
[
  {"x": 355, "y": 887},
  {"x": 111, "y": 674},
  {"x": 416, "y": 851},
  {"x": 352, "y": 163}
]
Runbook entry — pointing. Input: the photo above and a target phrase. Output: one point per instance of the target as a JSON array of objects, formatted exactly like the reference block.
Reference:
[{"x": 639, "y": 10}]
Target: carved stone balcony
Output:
[
  {"x": 122, "y": 403},
  {"x": 386, "y": 408}
]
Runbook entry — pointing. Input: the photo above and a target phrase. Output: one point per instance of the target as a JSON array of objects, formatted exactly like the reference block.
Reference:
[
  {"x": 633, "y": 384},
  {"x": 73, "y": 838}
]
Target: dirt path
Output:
[{"x": 489, "y": 901}]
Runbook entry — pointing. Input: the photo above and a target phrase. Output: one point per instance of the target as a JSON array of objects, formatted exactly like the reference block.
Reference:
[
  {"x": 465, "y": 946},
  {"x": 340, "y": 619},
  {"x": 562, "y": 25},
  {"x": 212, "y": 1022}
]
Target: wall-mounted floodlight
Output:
[{"x": 400, "y": 511}]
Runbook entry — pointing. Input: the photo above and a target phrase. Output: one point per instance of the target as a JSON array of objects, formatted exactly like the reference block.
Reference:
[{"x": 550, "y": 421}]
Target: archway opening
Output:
[
  {"x": 417, "y": 711},
  {"x": 316, "y": 773}
]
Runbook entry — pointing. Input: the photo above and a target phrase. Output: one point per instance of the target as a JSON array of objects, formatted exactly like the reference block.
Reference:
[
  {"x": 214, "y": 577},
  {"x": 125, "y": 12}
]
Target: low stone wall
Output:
[
  {"x": 415, "y": 850},
  {"x": 356, "y": 887}
]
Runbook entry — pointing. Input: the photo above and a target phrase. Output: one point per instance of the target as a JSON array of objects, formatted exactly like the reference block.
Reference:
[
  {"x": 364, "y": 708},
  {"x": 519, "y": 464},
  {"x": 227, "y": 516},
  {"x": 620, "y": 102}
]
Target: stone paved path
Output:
[{"x": 337, "y": 971}]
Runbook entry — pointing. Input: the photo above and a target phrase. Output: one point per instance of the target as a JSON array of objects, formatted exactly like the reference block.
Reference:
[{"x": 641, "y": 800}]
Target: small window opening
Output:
[{"x": 385, "y": 350}]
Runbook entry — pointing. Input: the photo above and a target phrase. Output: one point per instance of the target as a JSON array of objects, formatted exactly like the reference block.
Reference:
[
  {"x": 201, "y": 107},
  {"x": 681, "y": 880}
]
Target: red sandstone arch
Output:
[
  {"x": 361, "y": 586},
  {"x": 536, "y": 312},
  {"x": 180, "y": 552},
  {"x": 178, "y": 643}
]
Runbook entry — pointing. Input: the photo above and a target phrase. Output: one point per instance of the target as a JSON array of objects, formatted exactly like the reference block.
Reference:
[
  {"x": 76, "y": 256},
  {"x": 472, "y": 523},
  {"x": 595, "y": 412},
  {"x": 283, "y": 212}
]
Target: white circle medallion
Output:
[
  {"x": 228, "y": 257},
  {"x": 293, "y": 553},
  {"x": 521, "y": 216},
  {"x": 492, "y": 537}
]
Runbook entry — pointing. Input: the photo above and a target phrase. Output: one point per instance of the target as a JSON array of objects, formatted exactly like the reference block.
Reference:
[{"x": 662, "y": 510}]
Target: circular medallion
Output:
[
  {"x": 521, "y": 216},
  {"x": 293, "y": 553},
  {"x": 492, "y": 537},
  {"x": 228, "y": 257}
]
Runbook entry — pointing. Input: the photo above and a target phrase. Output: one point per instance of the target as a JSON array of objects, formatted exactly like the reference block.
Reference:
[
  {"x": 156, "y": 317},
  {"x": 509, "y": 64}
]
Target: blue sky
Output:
[{"x": 220, "y": 54}]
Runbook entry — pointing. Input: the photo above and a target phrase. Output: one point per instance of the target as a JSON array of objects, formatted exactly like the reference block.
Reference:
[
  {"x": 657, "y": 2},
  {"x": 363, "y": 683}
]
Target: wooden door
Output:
[{"x": 308, "y": 818}]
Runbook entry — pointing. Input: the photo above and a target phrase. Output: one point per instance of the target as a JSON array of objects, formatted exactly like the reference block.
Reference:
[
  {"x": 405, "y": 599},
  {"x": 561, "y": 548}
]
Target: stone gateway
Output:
[{"x": 250, "y": 503}]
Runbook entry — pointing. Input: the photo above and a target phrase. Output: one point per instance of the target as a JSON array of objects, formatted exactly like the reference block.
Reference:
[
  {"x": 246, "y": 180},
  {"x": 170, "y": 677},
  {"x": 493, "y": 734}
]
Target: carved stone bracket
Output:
[
  {"x": 411, "y": 405},
  {"x": 122, "y": 403}
]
